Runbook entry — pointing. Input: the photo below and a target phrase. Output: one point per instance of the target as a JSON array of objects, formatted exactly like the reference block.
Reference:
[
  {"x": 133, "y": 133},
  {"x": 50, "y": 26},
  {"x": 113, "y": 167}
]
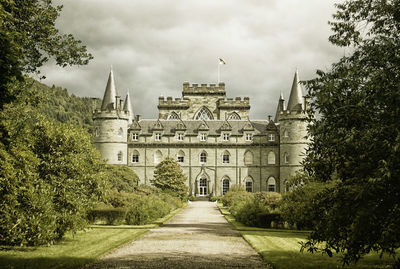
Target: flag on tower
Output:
[{"x": 221, "y": 61}]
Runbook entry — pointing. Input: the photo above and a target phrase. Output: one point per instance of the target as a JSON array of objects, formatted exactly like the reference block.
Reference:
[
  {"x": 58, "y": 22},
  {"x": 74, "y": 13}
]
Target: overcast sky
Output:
[{"x": 154, "y": 46}]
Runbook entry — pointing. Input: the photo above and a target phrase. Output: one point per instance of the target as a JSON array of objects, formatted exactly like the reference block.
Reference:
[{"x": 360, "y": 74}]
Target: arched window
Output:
[
  {"x": 248, "y": 157},
  {"x": 249, "y": 184},
  {"x": 135, "y": 156},
  {"x": 225, "y": 157},
  {"x": 234, "y": 116},
  {"x": 204, "y": 114},
  {"x": 286, "y": 182},
  {"x": 120, "y": 132},
  {"x": 286, "y": 157},
  {"x": 97, "y": 132},
  {"x": 225, "y": 186},
  {"x": 173, "y": 116},
  {"x": 271, "y": 184},
  {"x": 285, "y": 133},
  {"x": 203, "y": 157},
  {"x": 271, "y": 157},
  {"x": 119, "y": 156},
  {"x": 157, "y": 157},
  {"x": 181, "y": 156}
]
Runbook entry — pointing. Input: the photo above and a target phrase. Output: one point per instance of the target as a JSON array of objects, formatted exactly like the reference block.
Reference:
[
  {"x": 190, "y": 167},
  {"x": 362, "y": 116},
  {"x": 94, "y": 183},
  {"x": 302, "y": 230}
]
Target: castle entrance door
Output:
[{"x": 203, "y": 187}]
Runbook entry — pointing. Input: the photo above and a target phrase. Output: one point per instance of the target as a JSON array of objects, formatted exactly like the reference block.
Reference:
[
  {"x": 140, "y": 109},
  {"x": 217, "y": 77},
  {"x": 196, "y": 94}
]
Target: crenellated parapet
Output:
[
  {"x": 203, "y": 89},
  {"x": 237, "y": 103},
  {"x": 111, "y": 114},
  {"x": 170, "y": 103}
]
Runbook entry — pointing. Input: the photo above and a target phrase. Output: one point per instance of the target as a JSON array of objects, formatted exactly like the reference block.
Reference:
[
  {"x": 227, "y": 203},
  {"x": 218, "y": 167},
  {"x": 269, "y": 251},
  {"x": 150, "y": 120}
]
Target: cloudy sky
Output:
[{"x": 154, "y": 46}]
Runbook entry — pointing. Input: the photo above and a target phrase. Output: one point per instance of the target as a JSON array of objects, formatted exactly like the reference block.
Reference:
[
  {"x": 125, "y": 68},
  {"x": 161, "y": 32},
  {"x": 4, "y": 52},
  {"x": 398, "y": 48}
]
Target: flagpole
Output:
[{"x": 219, "y": 66}]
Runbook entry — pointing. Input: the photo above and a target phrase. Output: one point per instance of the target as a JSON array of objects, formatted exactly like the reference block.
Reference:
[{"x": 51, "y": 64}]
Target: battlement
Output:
[
  {"x": 170, "y": 102},
  {"x": 235, "y": 103},
  {"x": 196, "y": 89},
  {"x": 111, "y": 114}
]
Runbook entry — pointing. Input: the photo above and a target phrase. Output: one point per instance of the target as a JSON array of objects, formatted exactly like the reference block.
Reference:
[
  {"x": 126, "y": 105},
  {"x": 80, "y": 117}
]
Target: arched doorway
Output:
[{"x": 203, "y": 187}]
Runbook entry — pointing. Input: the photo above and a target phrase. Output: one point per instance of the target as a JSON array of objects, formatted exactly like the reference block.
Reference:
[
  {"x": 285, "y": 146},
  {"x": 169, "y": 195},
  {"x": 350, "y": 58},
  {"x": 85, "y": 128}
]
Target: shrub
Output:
[
  {"x": 192, "y": 198},
  {"x": 215, "y": 198},
  {"x": 146, "y": 209},
  {"x": 111, "y": 216},
  {"x": 230, "y": 195}
]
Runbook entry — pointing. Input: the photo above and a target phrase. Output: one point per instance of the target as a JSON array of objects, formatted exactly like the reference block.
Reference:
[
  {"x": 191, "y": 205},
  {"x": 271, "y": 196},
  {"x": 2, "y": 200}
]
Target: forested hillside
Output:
[{"x": 58, "y": 104}]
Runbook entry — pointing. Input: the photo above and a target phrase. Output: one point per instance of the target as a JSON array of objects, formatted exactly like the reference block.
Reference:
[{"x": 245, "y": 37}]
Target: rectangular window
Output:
[
  {"x": 158, "y": 137},
  {"x": 180, "y": 159},
  {"x": 225, "y": 158},
  {"x": 203, "y": 158},
  {"x": 135, "y": 137},
  {"x": 226, "y": 137},
  {"x": 203, "y": 137},
  {"x": 271, "y": 187},
  {"x": 271, "y": 137},
  {"x": 179, "y": 137},
  {"x": 135, "y": 158},
  {"x": 249, "y": 137}
]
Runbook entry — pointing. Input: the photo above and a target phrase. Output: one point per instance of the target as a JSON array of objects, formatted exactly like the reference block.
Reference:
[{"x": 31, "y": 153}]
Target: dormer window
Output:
[
  {"x": 225, "y": 137},
  {"x": 203, "y": 137},
  {"x": 179, "y": 136},
  {"x": 158, "y": 137},
  {"x": 249, "y": 137},
  {"x": 271, "y": 137},
  {"x": 135, "y": 136}
]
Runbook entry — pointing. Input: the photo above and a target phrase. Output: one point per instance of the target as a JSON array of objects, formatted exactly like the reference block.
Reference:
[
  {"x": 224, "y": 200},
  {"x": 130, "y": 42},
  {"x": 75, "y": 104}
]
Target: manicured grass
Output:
[
  {"x": 76, "y": 251},
  {"x": 71, "y": 252},
  {"x": 281, "y": 249}
]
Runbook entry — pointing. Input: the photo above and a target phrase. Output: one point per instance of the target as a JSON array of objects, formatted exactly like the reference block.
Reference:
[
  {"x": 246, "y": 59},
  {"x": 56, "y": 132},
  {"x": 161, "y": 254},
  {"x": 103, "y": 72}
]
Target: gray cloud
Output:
[{"x": 154, "y": 46}]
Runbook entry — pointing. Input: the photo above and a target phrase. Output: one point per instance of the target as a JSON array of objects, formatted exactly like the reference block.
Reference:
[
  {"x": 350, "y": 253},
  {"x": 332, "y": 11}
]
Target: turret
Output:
[
  {"x": 128, "y": 108},
  {"x": 280, "y": 108},
  {"x": 111, "y": 125},
  {"x": 293, "y": 132}
]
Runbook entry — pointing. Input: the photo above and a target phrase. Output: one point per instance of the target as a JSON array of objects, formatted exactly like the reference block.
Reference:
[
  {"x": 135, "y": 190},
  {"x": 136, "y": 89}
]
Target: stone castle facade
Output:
[{"x": 211, "y": 137}]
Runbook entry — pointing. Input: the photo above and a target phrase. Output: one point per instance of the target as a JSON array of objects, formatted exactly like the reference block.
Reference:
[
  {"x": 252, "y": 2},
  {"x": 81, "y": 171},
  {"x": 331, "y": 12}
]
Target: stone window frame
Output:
[
  {"x": 135, "y": 136},
  {"x": 204, "y": 113},
  {"x": 135, "y": 158},
  {"x": 268, "y": 157},
  {"x": 226, "y": 184},
  {"x": 120, "y": 132},
  {"x": 286, "y": 157},
  {"x": 158, "y": 158},
  {"x": 271, "y": 187},
  {"x": 97, "y": 132},
  {"x": 226, "y": 157},
  {"x": 203, "y": 137},
  {"x": 271, "y": 137},
  {"x": 286, "y": 133},
  {"x": 173, "y": 116},
  {"x": 246, "y": 157},
  {"x": 248, "y": 137},
  {"x": 226, "y": 136},
  {"x": 249, "y": 187},
  {"x": 120, "y": 156},
  {"x": 179, "y": 136},
  {"x": 157, "y": 136},
  {"x": 203, "y": 157},
  {"x": 180, "y": 157}
]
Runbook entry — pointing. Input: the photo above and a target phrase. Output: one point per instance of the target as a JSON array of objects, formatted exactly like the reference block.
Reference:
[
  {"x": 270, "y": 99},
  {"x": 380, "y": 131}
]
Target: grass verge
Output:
[
  {"x": 75, "y": 251},
  {"x": 281, "y": 249}
]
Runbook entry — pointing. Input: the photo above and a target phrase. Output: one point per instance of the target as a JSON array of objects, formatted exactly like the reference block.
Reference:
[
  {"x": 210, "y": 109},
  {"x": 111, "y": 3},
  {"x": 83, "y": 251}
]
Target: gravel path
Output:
[{"x": 197, "y": 237}]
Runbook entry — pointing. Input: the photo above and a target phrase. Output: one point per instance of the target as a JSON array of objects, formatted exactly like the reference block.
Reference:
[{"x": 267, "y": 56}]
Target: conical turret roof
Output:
[
  {"x": 296, "y": 94},
  {"x": 127, "y": 104},
  {"x": 110, "y": 93},
  {"x": 280, "y": 107}
]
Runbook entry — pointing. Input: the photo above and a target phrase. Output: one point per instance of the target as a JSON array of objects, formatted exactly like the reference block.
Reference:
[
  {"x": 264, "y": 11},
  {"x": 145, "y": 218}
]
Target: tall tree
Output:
[
  {"x": 169, "y": 177},
  {"x": 357, "y": 138},
  {"x": 29, "y": 38}
]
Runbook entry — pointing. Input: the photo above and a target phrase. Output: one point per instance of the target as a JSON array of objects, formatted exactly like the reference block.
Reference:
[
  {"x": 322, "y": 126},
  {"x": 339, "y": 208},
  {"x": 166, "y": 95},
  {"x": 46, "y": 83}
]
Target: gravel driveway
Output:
[{"x": 197, "y": 237}]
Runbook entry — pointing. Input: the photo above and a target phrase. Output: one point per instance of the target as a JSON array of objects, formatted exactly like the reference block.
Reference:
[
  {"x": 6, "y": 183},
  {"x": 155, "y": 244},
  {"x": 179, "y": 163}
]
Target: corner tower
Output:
[
  {"x": 111, "y": 125},
  {"x": 293, "y": 132}
]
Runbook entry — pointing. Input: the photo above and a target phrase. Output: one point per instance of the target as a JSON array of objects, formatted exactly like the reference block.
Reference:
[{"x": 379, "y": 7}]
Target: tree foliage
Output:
[
  {"x": 168, "y": 176},
  {"x": 49, "y": 176},
  {"x": 357, "y": 138},
  {"x": 29, "y": 38}
]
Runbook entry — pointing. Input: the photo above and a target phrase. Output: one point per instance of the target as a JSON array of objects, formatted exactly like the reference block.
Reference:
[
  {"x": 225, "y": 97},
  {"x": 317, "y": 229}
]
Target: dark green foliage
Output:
[
  {"x": 29, "y": 38},
  {"x": 110, "y": 215},
  {"x": 356, "y": 140},
  {"x": 48, "y": 178},
  {"x": 169, "y": 177},
  {"x": 215, "y": 198},
  {"x": 234, "y": 191},
  {"x": 121, "y": 178}
]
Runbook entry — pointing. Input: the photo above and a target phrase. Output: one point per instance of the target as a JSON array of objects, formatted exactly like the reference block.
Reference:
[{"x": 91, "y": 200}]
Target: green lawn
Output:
[
  {"x": 72, "y": 251},
  {"x": 75, "y": 251},
  {"x": 281, "y": 249}
]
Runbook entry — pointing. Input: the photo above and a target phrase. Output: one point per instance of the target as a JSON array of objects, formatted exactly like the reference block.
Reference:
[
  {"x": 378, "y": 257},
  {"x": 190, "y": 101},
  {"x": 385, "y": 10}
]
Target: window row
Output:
[
  {"x": 271, "y": 185},
  {"x": 203, "y": 137},
  {"x": 248, "y": 157}
]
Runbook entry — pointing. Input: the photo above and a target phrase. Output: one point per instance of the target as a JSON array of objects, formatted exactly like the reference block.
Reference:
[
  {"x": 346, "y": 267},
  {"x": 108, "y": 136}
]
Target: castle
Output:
[{"x": 210, "y": 136}]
